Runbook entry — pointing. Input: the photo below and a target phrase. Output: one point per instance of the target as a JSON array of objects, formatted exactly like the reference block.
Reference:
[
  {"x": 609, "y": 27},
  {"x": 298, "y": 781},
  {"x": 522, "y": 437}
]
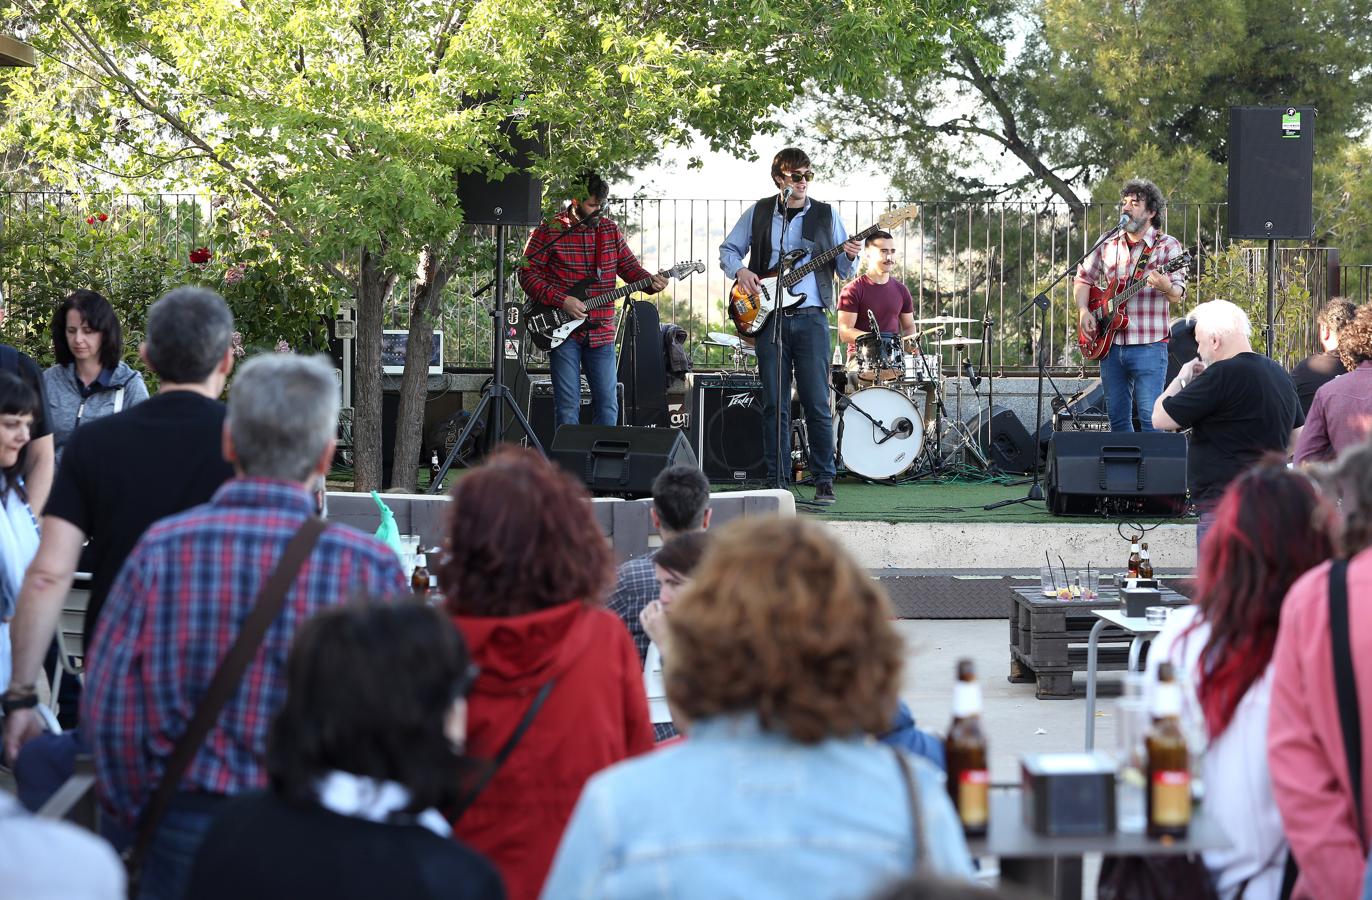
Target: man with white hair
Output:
[
  {"x": 183, "y": 595},
  {"x": 1238, "y": 404}
]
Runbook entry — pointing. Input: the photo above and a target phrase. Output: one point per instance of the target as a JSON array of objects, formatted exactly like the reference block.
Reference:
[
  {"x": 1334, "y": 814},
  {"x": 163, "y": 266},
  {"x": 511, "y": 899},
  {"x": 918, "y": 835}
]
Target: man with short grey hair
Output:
[
  {"x": 120, "y": 474},
  {"x": 184, "y": 592},
  {"x": 1238, "y": 404}
]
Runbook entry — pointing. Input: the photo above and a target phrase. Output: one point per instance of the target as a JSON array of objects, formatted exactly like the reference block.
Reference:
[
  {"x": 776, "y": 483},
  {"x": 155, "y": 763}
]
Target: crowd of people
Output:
[{"x": 271, "y": 713}]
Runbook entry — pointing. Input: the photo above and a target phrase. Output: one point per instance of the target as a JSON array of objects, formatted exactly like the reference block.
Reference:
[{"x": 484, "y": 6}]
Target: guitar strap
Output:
[{"x": 1141, "y": 264}]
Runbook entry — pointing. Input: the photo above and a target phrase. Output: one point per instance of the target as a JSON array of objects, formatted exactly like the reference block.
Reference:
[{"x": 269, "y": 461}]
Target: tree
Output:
[{"x": 342, "y": 124}]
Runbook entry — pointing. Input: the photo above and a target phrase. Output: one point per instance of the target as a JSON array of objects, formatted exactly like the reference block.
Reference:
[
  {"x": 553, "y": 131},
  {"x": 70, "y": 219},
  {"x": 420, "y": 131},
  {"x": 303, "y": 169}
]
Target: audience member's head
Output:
[
  {"x": 188, "y": 334},
  {"x": 1355, "y": 338},
  {"x": 283, "y": 416},
  {"x": 1349, "y": 481},
  {"x": 1332, "y": 318},
  {"x": 676, "y": 562},
  {"x": 1271, "y": 526},
  {"x": 522, "y": 538},
  {"x": 376, "y": 690},
  {"x": 681, "y": 500},
  {"x": 18, "y": 405},
  {"x": 780, "y": 621},
  {"x": 1222, "y": 330},
  {"x": 89, "y": 309}
]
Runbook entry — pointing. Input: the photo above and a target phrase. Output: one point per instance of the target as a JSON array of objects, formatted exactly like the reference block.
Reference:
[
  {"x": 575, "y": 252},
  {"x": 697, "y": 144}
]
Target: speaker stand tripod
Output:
[{"x": 497, "y": 397}]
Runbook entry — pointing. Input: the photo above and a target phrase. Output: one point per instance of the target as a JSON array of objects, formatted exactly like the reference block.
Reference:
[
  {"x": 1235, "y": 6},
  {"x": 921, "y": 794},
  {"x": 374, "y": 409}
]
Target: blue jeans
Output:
[
  {"x": 167, "y": 867},
  {"x": 566, "y": 362},
  {"x": 1132, "y": 376},
  {"x": 805, "y": 348}
]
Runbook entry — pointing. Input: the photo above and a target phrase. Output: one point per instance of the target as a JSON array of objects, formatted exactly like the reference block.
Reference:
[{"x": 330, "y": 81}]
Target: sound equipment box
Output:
[
  {"x": 641, "y": 368},
  {"x": 1271, "y": 172},
  {"x": 1116, "y": 474},
  {"x": 541, "y": 413},
  {"x": 619, "y": 460},
  {"x": 1083, "y": 411},
  {"x": 1003, "y": 438},
  {"x": 727, "y": 426},
  {"x": 516, "y": 199}
]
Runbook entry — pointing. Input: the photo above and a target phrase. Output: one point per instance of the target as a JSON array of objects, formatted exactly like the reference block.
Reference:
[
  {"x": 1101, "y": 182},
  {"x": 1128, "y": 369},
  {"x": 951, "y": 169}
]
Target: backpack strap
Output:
[{"x": 1345, "y": 687}]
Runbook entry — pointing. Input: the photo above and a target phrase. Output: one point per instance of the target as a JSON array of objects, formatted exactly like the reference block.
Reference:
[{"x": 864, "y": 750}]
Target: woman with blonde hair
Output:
[{"x": 783, "y": 665}]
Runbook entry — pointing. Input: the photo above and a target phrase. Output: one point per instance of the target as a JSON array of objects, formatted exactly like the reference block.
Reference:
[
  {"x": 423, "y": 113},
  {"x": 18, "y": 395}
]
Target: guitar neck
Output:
[
  {"x": 794, "y": 276},
  {"x": 611, "y": 296}
]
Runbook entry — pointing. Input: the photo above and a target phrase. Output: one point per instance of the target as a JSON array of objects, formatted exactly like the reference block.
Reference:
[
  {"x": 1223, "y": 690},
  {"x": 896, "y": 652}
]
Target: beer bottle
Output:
[
  {"x": 1169, "y": 762},
  {"x": 1145, "y": 564},
  {"x": 1132, "y": 569},
  {"x": 969, "y": 781},
  {"x": 419, "y": 578}
]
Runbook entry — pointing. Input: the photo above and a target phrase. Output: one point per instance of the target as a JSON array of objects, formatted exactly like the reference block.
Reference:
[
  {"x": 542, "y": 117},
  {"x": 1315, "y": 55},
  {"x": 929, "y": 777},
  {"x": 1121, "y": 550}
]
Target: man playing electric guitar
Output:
[
  {"x": 1132, "y": 372},
  {"x": 814, "y": 227},
  {"x": 581, "y": 242}
]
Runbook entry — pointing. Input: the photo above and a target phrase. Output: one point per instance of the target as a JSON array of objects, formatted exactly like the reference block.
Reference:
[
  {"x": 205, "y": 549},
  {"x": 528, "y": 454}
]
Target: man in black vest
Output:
[{"x": 812, "y": 226}]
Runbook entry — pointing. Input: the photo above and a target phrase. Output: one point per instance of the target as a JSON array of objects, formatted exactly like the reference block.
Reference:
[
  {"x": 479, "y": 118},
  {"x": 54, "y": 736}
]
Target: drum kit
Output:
[{"x": 889, "y": 408}]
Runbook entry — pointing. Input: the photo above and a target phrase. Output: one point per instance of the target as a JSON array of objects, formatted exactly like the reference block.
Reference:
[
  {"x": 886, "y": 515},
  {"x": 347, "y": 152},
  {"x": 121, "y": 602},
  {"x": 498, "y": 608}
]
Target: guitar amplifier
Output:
[
  {"x": 1082, "y": 421},
  {"x": 726, "y": 422}
]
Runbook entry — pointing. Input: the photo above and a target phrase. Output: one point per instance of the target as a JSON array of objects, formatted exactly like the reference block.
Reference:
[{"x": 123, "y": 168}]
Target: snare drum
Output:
[
  {"x": 918, "y": 369},
  {"x": 878, "y": 359}
]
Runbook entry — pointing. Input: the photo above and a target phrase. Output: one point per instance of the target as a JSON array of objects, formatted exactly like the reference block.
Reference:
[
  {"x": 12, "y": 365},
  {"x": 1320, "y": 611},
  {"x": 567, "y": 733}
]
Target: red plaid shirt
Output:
[
  {"x": 1116, "y": 258},
  {"x": 597, "y": 249}
]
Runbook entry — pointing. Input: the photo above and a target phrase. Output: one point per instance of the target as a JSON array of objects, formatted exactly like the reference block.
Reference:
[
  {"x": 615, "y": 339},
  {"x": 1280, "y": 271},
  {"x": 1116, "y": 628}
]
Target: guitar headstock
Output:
[
  {"x": 1180, "y": 262},
  {"x": 899, "y": 216},
  {"x": 683, "y": 269}
]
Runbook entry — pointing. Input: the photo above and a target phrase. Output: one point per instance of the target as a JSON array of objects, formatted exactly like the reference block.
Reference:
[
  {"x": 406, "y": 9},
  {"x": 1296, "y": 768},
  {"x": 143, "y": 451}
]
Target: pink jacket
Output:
[{"x": 1305, "y": 741}]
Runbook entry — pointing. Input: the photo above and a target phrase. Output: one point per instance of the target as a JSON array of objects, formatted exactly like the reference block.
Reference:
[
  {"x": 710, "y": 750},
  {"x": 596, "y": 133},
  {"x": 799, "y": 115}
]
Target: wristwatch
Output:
[{"x": 9, "y": 704}]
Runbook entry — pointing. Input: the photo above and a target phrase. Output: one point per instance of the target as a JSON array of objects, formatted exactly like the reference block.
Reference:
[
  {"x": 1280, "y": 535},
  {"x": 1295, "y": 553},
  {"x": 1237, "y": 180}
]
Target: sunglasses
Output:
[{"x": 798, "y": 177}]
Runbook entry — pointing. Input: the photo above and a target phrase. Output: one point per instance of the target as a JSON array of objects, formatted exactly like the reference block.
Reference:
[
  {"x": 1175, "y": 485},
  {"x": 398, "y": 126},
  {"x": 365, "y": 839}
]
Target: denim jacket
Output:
[{"x": 736, "y": 811}]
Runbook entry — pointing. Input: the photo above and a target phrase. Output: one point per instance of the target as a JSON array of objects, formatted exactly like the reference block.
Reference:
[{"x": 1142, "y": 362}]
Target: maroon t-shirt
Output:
[{"x": 886, "y": 301}]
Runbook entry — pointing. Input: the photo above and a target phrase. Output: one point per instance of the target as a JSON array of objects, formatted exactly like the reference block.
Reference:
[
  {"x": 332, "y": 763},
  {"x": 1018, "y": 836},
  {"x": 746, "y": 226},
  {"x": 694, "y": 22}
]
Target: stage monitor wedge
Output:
[
  {"x": 619, "y": 461},
  {"x": 1271, "y": 172},
  {"x": 1117, "y": 474},
  {"x": 517, "y": 199}
]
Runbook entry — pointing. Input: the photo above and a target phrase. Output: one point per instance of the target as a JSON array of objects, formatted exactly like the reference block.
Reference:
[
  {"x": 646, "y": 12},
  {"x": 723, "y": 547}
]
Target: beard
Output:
[{"x": 1136, "y": 226}]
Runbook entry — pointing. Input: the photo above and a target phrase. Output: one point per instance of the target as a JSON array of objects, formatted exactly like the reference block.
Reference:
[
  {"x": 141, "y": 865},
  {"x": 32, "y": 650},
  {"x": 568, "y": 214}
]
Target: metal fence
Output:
[{"x": 970, "y": 261}]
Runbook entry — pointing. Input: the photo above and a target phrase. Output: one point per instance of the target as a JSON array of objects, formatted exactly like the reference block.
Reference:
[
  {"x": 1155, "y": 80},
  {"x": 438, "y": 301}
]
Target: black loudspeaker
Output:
[
  {"x": 641, "y": 367},
  {"x": 1271, "y": 172},
  {"x": 541, "y": 414},
  {"x": 517, "y": 199},
  {"x": 726, "y": 422},
  {"x": 1114, "y": 474},
  {"x": 1003, "y": 438},
  {"x": 617, "y": 460}
]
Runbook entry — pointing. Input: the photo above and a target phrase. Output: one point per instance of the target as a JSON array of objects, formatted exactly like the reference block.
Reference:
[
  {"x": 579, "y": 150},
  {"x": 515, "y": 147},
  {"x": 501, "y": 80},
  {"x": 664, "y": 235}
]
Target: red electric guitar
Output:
[{"x": 1107, "y": 306}]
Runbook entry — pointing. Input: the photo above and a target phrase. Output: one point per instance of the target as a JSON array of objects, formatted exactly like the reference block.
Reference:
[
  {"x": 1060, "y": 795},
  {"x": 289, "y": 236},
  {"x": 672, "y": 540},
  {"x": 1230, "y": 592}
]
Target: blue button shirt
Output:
[{"x": 740, "y": 240}]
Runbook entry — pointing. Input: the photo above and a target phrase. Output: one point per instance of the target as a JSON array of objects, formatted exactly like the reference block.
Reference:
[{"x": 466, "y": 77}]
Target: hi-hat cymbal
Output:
[
  {"x": 724, "y": 340},
  {"x": 943, "y": 320},
  {"x": 958, "y": 340}
]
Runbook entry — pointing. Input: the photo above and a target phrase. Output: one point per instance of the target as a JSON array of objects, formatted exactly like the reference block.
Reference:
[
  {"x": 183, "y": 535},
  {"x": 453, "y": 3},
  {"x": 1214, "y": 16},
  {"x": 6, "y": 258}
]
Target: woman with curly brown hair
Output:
[
  {"x": 560, "y": 694},
  {"x": 784, "y": 662},
  {"x": 1341, "y": 414}
]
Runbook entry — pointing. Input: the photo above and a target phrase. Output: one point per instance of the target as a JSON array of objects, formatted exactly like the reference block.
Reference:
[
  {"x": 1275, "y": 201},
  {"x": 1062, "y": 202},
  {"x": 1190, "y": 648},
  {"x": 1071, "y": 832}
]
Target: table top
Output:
[
  {"x": 1010, "y": 838},
  {"x": 1133, "y": 624},
  {"x": 1108, "y": 597}
]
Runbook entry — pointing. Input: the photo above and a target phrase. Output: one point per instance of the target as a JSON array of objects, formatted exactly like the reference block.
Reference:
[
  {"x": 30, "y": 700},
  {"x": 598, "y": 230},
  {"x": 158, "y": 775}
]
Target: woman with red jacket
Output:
[{"x": 560, "y": 694}]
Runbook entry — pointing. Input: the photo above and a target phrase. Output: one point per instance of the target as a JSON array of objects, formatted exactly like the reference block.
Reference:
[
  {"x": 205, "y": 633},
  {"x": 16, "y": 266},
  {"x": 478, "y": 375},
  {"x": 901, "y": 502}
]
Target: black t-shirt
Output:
[
  {"x": 119, "y": 474},
  {"x": 1312, "y": 372},
  {"x": 1237, "y": 409},
  {"x": 263, "y": 848}
]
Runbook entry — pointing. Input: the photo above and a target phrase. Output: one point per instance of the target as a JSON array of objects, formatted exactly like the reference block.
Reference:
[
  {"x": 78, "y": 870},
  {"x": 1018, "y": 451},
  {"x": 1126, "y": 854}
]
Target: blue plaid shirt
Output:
[
  {"x": 172, "y": 615},
  {"x": 636, "y": 587}
]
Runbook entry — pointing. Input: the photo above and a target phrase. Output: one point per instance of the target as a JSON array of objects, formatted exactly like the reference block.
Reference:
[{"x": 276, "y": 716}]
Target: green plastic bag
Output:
[{"x": 387, "y": 533}]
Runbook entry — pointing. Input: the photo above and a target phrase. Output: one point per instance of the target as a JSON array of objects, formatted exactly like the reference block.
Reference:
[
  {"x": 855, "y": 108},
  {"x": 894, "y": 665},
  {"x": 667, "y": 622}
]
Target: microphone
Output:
[
  {"x": 591, "y": 218},
  {"x": 872, "y": 320},
  {"x": 969, "y": 371},
  {"x": 786, "y": 193},
  {"x": 1124, "y": 220}
]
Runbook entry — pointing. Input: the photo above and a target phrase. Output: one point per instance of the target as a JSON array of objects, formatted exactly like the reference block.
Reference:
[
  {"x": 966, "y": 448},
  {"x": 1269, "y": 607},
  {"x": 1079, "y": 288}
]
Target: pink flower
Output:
[
  {"x": 234, "y": 273},
  {"x": 283, "y": 347},
  {"x": 201, "y": 255},
  {"x": 237, "y": 344}
]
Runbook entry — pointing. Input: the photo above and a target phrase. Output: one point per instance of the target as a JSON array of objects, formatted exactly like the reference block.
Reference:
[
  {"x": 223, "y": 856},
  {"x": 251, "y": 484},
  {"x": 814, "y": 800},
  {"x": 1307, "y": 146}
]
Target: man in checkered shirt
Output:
[
  {"x": 578, "y": 243},
  {"x": 1134, "y": 370}
]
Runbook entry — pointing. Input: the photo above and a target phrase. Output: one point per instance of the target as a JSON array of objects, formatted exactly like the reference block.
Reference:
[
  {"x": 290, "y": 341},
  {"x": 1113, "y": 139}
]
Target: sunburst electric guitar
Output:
[
  {"x": 1107, "y": 305},
  {"x": 749, "y": 312}
]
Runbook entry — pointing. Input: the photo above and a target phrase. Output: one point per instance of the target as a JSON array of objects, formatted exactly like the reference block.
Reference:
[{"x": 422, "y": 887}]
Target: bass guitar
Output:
[
  {"x": 1107, "y": 305},
  {"x": 549, "y": 326},
  {"x": 749, "y": 312}
]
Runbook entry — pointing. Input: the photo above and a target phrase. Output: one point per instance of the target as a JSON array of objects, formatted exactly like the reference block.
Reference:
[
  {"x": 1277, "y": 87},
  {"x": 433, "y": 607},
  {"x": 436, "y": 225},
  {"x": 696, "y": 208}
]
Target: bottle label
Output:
[
  {"x": 1171, "y": 798},
  {"x": 966, "y": 699},
  {"x": 974, "y": 787}
]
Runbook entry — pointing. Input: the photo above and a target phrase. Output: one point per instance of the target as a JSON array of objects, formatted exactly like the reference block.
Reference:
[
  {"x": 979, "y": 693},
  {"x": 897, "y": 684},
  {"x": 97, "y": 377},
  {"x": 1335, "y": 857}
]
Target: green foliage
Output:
[{"x": 1239, "y": 275}]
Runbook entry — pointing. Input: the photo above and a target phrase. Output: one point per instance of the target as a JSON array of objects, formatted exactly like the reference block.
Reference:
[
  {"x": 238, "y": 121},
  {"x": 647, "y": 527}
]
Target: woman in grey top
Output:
[{"x": 90, "y": 379}]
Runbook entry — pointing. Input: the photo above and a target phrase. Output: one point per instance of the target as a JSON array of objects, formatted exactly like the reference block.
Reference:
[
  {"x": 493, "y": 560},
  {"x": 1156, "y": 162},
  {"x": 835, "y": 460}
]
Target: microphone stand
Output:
[
  {"x": 783, "y": 448},
  {"x": 1042, "y": 303}
]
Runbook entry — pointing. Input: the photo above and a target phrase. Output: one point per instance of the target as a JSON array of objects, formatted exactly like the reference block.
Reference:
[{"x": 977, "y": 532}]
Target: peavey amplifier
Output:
[
  {"x": 727, "y": 426},
  {"x": 1082, "y": 421}
]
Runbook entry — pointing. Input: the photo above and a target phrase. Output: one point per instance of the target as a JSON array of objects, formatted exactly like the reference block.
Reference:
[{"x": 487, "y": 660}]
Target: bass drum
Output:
[{"x": 862, "y": 444}]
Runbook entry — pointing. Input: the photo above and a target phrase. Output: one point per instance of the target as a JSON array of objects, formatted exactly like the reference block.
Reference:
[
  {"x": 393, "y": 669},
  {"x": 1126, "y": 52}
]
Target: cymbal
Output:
[
  {"x": 943, "y": 320},
  {"x": 724, "y": 340},
  {"x": 958, "y": 340}
]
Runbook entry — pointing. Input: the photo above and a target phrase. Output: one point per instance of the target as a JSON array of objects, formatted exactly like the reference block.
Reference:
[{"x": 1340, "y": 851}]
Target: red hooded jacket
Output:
[{"x": 596, "y": 715}]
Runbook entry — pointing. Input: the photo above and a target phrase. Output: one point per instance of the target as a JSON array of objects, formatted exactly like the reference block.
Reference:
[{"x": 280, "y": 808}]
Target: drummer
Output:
[{"x": 875, "y": 291}]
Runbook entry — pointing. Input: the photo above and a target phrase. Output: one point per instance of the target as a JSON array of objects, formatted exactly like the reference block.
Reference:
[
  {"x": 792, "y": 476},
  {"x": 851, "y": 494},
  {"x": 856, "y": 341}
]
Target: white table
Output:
[{"x": 1143, "y": 632}]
